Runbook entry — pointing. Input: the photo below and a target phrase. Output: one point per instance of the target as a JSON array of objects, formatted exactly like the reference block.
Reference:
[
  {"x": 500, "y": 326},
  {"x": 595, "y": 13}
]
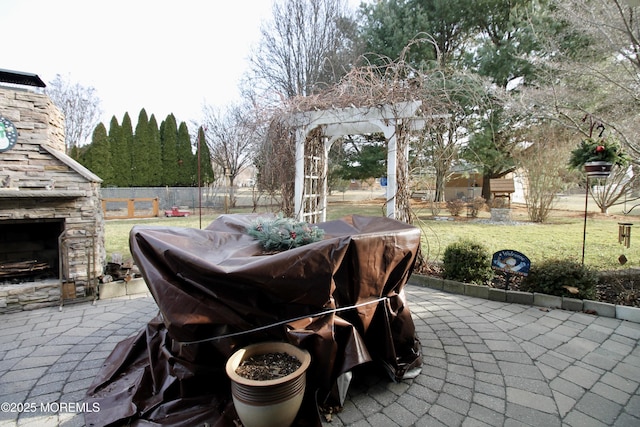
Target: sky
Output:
[{"x": 166, "y": 56}]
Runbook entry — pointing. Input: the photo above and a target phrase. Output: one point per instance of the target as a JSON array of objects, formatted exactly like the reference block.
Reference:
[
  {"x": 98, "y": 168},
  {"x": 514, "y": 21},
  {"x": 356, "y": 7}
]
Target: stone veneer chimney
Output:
[{"x": 41, "y": 188}]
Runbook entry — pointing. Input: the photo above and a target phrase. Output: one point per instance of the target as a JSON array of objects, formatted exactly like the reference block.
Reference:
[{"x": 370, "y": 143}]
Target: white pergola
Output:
[{"x": 311, "y": 159}]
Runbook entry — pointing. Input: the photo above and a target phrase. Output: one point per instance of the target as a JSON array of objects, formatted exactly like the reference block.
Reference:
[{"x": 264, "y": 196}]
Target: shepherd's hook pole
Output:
[
  {"x": 199, "y": 185},
  {"x": 584, "y": 231}
]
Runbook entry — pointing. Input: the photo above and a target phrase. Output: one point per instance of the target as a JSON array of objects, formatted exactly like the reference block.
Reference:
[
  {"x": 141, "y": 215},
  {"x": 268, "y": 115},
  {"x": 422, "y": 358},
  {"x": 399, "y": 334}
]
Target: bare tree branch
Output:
[
  {"x": 81, "y": 108},
  {"x": 231, "y": 137},
  {"x": 604, "y": 80},
  {"x": 301, "y": 46}
]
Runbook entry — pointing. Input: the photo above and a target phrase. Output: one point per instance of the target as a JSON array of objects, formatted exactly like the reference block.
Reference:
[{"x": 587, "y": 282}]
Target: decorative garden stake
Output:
[{"x": 510, "y": 262}]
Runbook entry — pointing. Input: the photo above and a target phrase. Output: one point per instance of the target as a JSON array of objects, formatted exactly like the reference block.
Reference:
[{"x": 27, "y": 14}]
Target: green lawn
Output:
[{"x": 560, "y": 238}]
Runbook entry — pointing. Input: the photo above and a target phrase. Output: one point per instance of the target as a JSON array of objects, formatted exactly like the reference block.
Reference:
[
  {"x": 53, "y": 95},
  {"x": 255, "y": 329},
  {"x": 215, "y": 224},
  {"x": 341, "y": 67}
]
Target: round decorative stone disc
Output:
[{"x": 8, "y": 134}]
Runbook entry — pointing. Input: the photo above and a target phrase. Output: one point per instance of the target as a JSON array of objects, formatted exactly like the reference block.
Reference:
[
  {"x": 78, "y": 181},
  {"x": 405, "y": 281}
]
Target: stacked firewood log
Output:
[
  {"x": 118, "y": 269},
  {"x": 22, "y": 268}
]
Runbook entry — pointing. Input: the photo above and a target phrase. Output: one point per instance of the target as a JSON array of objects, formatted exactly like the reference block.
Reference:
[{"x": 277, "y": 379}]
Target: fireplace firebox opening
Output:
[{"x": 29, "y": 249}]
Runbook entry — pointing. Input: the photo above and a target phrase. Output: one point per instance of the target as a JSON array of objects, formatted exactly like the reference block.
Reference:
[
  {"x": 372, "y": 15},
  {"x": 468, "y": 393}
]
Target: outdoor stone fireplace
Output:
[{"x": 51, "y": 224}]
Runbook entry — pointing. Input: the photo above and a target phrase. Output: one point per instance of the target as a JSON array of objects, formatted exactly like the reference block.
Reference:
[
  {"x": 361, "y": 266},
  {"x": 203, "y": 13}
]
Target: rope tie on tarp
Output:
[{"x": 282, "y": 322}]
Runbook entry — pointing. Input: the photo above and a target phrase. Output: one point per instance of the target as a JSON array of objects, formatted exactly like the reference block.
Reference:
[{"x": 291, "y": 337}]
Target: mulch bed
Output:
[
  {"x": 615, "y": 287},
  {"x": 620, "y": 287}
]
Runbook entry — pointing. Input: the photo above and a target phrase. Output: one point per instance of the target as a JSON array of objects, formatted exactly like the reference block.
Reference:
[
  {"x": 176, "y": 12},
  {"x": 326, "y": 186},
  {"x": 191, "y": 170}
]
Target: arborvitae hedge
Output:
[
  {"x": 127, "y": 140},
  {"x": 186, "y": 159},
  {"x": 169, "y": 145},
  {"x": 154, "y": 170},
  {"x": 151, "y": 157},
  {"x": 97, "y": 156},
  {"x": 120, "y": 157}
]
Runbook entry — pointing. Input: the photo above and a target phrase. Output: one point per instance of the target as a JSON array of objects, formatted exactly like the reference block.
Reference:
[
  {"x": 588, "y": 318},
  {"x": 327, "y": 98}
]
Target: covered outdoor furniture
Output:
[{"x": 341, "y": 298}]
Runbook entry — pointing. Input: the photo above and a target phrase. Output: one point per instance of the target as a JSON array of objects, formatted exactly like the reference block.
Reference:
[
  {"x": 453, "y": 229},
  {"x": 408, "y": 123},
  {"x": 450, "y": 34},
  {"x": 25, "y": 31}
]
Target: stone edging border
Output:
[
  {"x": 121, "y": 288},
  {"x": 622, "y": 312}
]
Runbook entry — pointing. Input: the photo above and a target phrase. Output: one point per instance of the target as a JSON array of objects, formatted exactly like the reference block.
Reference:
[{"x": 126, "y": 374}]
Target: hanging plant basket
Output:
[
  {"x": 598, "y": 169},
  {"x": 597, "y": 155}
]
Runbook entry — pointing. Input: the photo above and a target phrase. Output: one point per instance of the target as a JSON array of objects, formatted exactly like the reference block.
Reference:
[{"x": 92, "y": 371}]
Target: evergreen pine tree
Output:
[
  {"x": 98, "y": 155},
  {"x": 206, "y": 170},
  {"x": 119, "y": 157},
  {"x": 169, "y": 142},
  {"x": 83, "y": 156},
  {"x": 155, "y": 154},
  {"x": 140, "y": 152},
  {"x": 127, "y": 155},
  {"x": 186, "y": 160}
]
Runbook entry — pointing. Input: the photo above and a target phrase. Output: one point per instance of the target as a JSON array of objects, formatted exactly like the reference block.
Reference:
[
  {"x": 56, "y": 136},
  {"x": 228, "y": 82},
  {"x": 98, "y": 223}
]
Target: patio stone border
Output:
[
  {"x": 121, "y": 288},
  {"x": 622, "y": 312}
]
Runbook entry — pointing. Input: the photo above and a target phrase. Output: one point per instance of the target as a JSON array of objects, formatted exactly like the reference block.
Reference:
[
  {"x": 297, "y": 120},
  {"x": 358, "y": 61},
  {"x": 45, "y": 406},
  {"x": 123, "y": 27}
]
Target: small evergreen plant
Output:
[
  {"x": 565, "y": 278},
  {"x": 280, "y": 233},
  {"x": 467, "y": 261}
]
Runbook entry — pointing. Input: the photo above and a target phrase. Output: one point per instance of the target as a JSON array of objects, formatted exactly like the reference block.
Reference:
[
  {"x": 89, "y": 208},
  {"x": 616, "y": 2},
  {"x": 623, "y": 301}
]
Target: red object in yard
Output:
[{"x": 175, "y": 211}]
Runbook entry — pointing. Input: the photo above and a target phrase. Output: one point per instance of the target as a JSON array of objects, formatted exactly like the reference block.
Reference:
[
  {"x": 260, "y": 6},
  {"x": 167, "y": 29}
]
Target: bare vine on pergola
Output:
[{"x": 373, "y": 87}]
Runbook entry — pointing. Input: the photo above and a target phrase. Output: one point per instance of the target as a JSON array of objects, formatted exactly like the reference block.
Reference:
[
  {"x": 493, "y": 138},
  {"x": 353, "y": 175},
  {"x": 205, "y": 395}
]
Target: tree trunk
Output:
[
  {"x": 439, "y": 190},
  {"x": 486, "y": 187},
  {"x": 232, "y": 192}
]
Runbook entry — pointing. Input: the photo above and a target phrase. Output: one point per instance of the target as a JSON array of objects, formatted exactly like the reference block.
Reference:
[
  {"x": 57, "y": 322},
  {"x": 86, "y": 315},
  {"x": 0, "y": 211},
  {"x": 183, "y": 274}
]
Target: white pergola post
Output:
[
  {"x": 392, "y": 183},
  {"x": 328, "y": 142},
  {"x": 299, "y": 184}
]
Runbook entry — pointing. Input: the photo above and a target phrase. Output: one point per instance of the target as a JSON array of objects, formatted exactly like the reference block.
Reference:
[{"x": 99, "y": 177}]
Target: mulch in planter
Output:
[{"x": 268, "y": 366}]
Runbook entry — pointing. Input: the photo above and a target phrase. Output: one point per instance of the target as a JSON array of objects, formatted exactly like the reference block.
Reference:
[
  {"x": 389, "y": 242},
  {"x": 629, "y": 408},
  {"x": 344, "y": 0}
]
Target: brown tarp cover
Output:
[{"x": 342, "y": 299}]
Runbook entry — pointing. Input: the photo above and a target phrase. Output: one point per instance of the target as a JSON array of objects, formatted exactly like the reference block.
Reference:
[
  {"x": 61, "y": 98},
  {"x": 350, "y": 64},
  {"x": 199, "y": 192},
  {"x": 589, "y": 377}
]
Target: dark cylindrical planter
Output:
[{"x": 598, "y": 169}]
